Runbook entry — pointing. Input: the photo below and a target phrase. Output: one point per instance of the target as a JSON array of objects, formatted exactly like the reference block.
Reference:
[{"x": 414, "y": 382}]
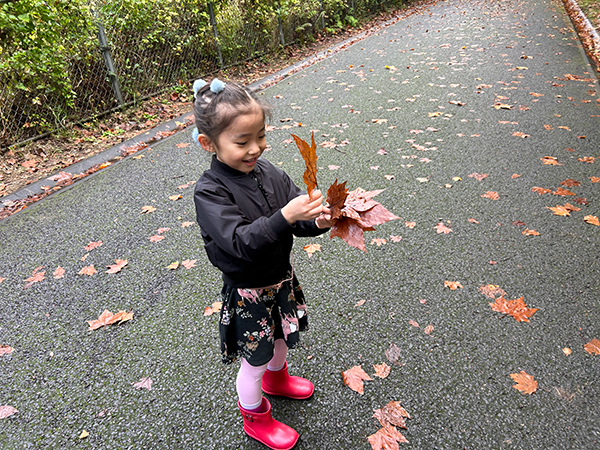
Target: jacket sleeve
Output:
[
  {"x": 225, "y": 223},
  {"x": 302, "y": 228}
]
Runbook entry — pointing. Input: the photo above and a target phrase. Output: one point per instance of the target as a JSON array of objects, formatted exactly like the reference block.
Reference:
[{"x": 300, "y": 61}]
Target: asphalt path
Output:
[{"x": 424, "y": 109}]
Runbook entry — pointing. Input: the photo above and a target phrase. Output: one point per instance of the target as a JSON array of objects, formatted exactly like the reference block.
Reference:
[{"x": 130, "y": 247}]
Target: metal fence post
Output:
[
  {"x": 322, "y": 17},
  {"x": 213, "y": 22},
  {"x": 108, "y": 61},
  {"x": 281, "y": 36}
]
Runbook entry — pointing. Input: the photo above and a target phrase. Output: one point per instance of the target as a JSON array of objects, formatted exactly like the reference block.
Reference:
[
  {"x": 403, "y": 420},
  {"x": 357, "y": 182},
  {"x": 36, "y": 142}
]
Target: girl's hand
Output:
[
  {"x": 303, "y": 208},
  {"x": 324, "y": 220}
]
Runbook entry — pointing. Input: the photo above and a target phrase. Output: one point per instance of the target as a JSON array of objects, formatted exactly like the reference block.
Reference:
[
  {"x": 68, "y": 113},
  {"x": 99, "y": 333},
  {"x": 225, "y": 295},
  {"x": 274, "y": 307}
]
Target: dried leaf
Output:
[
  {"x": 120, "y": 263},
  {"x": 514, "y": 308},
  {"x": 386, "y": 439},
  {"x": 395, "y": 238},
  {"x": 189, "y": 263},
  {"x": 6, "y": 350},
  {"x": 587, "y": 159},
  {"x": 360, "y": 303},
  {"x": 478, "y": 176},
  {"x": 378, "y": 241},
  {"x": 562, "y": 192},
  {"x": 428, "y": 329},
  {"x": 162, "y": 230},
  {"x": 7, "y": 411},
  {"x": 311, "y": 248},
  {"x": 593, "y": 220},
  {"x": 214, "y": 308},
  {"x": 336, "y": 198},
  {"x": 528, "y": 232},
  {"x": 173, "y": 265},
  {"x": 59, "y": 273},
  {"x": 353, "y": 378},
  {"x": 540, "y": 190},
  {"x": 571, "y": 183},
  {"x": 441, "y": 228},
  {"x": 593, "y": 347},
  {"x": 309, "y": 154},
  {"x": 559, "y": 210},
  {"x": 84, "y": 434},
  {"x": 37, "y": 276},
  {"x": 92, "y": 245},
  {"x": 525, "y": 382},
  {"x": 393, "y": 354},
  {"x": 144, "y": 383},
  {"x": 492, "y": 195},
  {"x": 156, "y": 238},
  {"x": 381, "y": 370},
  {"x": 492, "y": 290},
  {"x": 175, "y": 197},
  {"x": 550, "y": 161},
  {"x": 453, "y": 285},
  {"x": 186, "y": 224},
  {"x": 148, "y": 209},
  {"x": 88, "y": 270},
  {"x": 392, "y": 414},
  {"x": 414, "y": 323},
  {"x": 120, "y": 317},
  {"x": 100, "y": 321},
  {"x": 410, "y": 224}
]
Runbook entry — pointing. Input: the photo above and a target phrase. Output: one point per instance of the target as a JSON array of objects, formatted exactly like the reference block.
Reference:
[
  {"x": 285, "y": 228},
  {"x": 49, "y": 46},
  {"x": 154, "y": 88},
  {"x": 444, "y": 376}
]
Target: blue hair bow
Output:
[{"x": 195, "y": 135}]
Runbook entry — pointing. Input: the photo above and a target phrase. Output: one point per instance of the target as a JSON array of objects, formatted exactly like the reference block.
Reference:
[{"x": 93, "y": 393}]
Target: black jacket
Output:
[{"x": 245, "y": 234}]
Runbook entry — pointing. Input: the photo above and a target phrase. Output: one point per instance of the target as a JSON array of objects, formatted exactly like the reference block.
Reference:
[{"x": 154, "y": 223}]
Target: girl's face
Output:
[{"x": 242, "y": 142}]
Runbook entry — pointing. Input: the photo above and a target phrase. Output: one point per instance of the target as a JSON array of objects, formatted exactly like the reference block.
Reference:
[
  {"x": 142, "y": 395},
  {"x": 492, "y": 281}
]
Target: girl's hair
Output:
[{"x": 214, "y": 111}]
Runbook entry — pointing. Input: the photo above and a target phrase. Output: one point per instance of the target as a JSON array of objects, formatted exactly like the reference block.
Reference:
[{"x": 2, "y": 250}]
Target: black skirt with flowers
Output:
[{"x": 252, "y": 319}]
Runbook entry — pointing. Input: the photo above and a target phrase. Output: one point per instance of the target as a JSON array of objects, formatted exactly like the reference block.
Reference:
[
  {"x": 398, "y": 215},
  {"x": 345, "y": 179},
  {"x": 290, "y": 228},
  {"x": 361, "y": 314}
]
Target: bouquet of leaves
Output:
[{"x": 352, "y": 213}]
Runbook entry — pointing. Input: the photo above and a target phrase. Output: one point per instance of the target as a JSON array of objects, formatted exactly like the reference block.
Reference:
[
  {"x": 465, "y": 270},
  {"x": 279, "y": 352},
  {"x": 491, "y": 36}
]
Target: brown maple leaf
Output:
[
  {"x": 186, "y": 224},
  {"x": 381, "y": 370},
  {"x": 478, "y": 176},
  {"x": 386, "y": 439},
  {"x": 593, "y": 347},
  {"x": 393, "y": 354},
  {"x": 100, "y": 321},
  {"x": 569, "y": 182},
  {"x": 550, "y": 161},
  {"x": 392, "y": 414},
  {"x": 587, "y": 159},
  {"x": 559, "y": 210},
  {"x": 563, "y": 192},
  {"x": 37, "y": 276},
  {"x": 593, "y": 220},
  {"x": 148, "y": 209},
  {"x": 441, "y": 228},
  {"x": 120, "y": 263},
  {"x": 521, "y": 134},
  {"x": 492, "y": 195},
  {"x": 528, "y": 232},
  {"x": 309, "y": 154},
  {"x": 525, "y": 382},
  {"x": 514, "y": 308},
  {"x": 354, "y": 377},
  {"x": 378, "y": 241},
  {"x": 156, "y": 238},
  {"x": 214, "y": 308},
  {"x": 189, "y": 263},
  {"x": 6, "y": 350},
  {"x": 595, "y": 179},
  {"x": 59, "y": 273},
  {"x": 428, "y": 329},
  {"x": 336, "y": 198}
]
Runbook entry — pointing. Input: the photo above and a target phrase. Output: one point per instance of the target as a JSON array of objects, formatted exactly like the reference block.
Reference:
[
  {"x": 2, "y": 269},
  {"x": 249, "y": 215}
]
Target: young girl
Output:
[{"x": 249, "y": 211}]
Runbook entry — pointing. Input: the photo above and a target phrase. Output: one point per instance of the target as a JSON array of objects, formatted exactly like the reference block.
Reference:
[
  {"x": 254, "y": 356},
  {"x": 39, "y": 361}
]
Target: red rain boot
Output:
[
  {"x": 281, "y": 383},
  {"x": 266, "y": 430}
]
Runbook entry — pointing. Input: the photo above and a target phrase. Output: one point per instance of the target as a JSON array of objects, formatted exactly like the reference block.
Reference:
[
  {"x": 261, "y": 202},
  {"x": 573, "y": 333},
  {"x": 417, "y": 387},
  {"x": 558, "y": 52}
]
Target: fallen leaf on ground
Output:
[
  {"x": 525, "y": 382},
  {"x": 148, "y": 209},
  {"x": 528, "y": 232},
  {"x": 59, "y": 273},
  {"x": 473, "y": 221},
  {"x": 189, "y": 263},
  {"x": 492, "y": 195},
  {"x": 7, "y": 411},
  {"x": 108, "y": 318},
  {"x": 563, "y": 192},
  {"x": 173, "y": 265},
  {"x": 414, "y": 323},
  {"x": 381, "y": 370},
  {"x": 569, "y": 182},
  {"x": 593, "y": 347},
  {"x": 162, "y": 230},
  {"x": 6, "y": 349},
  {"x": 453, "y": 285},
  {"x": 144, "y": 383},
  {"x": 492, "y": 290},
  {"x": 410, "y": 224},
  {"x": 392, "y": 414},
  {"x": 550, "y": 161},
  {"x": 379, "y": 242},
  {"x": 354, "y": 377},
  {"x": 120, "y": 263},
  {"x": 360, "y": 303},
  {"x": 92, "y": 245},
  {"x": 595, "y": 179},
  {"x": 559, "y": 210},
  {"x": 541, "y": 190},
  {"x": 393, "y": 354},
  {"x": 428, "y": 329},
  {"x": 37, "y": 276},
  {"x": 587, "y": 159},
  {"x": 567, "y": 351},
  {"x": 311, "y": 248},
  {"x": 175, "y": 197},
  {"x": 386, "y": 439},
  {"x": 186, "y": 224},
  {"x": 214, "y": 308},
  {"x": 441, "y": 228},
  {"x": 514, "y": 308},
  {"x": 88, "y": 270},
  {"x": 593, "y": 220},
  {"x": 84, "y": 434},
  {"x": 521, "y": 134},
  {"x": 478, "y": 176},
  {"x": 156, "y": 238}
]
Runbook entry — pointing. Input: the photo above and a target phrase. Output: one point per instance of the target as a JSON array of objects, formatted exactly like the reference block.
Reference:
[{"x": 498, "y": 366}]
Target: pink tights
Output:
[{"x": 249, "y": 377}]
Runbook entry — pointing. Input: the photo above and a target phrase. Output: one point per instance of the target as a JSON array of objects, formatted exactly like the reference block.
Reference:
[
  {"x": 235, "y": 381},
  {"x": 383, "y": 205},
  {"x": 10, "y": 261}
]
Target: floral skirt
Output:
[{"x": 252, "y": 319}]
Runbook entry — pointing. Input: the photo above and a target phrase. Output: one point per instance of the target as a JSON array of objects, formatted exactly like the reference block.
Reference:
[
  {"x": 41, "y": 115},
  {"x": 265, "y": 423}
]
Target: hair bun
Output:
[
  {"x": 217, "y": 86},
  {"x": 198, "y": 84}
]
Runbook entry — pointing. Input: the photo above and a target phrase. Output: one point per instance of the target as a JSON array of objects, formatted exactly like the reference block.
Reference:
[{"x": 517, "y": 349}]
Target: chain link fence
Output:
[{"x": 64, "y": 62}]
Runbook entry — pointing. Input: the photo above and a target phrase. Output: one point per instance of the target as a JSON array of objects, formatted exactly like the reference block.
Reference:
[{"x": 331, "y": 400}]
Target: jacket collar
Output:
[{"x": 224, "y": 169}]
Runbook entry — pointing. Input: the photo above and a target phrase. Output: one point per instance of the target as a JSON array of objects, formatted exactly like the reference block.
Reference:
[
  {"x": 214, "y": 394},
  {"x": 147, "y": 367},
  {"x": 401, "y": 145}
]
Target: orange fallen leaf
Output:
[
  {"x": 478, "y": 176},
  {"x": 381, "y": 370},
  {"x": 395, "y": 238},
  {"x": 492, "y": 195},
  {"x": 563, "y": 192},
  {"x": 569, "y": 182},
  {"x": 392, "y": 414},
  {"x": 59, "y": 273},
  {"x": 311, "y": 248},
  {"x": 88, "y": 270},
  {"x": 92, "y": 245},
  {"x": 360, "y": 303},
  {"x": 410, "y": 224},
  {"x": 379, "y": 242},
  {"x": 492, "y": 290},
  {"x": 386, "y": 439},
  {"x": 571, "y": 208},
  {"x": 173, "y": 265},
  {"x": 121, "y": 316},
  {"x": 156, "y": 238},
  {"x": 567, "y": 351},
  {"x": 514, "y": 308},
  {"x": 559, "y": 210},
  {"x": 587, "y": 159},
  {"x": 593, "y": 347},
  {"x": 414, "y": 323},
  {"x": 473, "y": 221},
  {"x": 37, "y": 276},
  {"x": 186, "y": 224},
  {"x": 428, "y": 329},
  {"x": 540, "y": 190},
  {"x": 101, "y": 321},
  {"x": 593, "y": 220},
  {"x": 525, "y": 382},
  {"x": 120, "y": 263},
  {"x": 309, "y": 155},
  {"x": 515, "y": 175},
  {"x": 550, "y": 161},
  {"x": 521, "y": 134},
  {"x": 354, "y": 377},
  {"x": 528, "y": 232},
  {"x": 595, "y": 179},
  {"x": 183, "y": 145},
  {"x": 175, "y": 197},
  {"x": 453, "y": 285}
]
